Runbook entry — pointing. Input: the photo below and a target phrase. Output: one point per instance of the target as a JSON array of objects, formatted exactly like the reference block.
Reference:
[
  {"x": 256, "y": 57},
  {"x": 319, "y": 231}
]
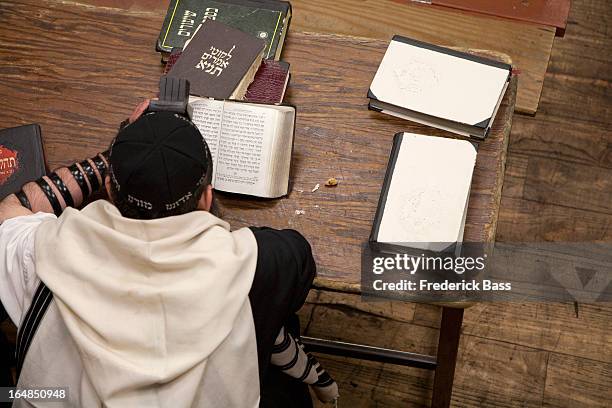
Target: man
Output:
[{"x": 148, "y": 299}]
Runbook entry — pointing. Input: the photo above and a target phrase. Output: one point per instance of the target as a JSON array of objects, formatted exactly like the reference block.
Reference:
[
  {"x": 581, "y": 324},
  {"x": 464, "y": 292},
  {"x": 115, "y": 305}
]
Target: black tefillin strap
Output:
[
  {"x": 27, "y": 330},
  {"x": 100, "y": 165},
  {"x": 23, "y": 199},
  {"x": 124, "y": 124},
  {"x": 61, "y": 187},
  {"x": 46, "y": 188},
  {"x": 80, "y": 179},
  {"x": 91, "y": 175}
]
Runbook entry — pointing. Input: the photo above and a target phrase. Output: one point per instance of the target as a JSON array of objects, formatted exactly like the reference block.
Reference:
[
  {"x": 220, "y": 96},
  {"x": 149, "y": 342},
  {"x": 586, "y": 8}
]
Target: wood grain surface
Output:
[
  {"x": 566, "y": 356},
  {"x": 338, "y": 137},
  {"x": 529, "y": 45},
  {"x": 511, "y": 354},
  {"x": 79, "y": 70},
  {"x": 546, "y": 12},
  {"x": 571, "y": 134}
]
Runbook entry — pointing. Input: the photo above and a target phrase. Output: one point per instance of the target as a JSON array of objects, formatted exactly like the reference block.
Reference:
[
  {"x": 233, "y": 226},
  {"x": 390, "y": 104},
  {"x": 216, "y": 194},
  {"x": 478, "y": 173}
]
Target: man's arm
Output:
[
  {"x": 10, "y": 207},
  {"x": 64, "y": 187}
]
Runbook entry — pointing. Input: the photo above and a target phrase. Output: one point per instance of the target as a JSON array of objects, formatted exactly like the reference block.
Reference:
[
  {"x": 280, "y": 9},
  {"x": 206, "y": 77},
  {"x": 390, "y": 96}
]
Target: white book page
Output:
[
  {"x": 428, "y": 192},
  {"x": 438, "y": 84},
  {"x": 207, "y": 114},
  {"x": 245, "y": 148}
]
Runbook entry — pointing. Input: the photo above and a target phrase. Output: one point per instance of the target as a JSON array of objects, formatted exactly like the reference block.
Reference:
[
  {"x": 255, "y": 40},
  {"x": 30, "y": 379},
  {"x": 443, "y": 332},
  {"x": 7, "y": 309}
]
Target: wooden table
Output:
[
  {"x": 337, "y": 136},
  {"x": 528, "y": 44},
  {"x": 79, "y": 71}
]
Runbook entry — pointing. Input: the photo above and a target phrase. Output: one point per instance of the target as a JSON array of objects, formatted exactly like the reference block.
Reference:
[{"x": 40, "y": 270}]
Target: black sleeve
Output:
[
  {"x": 283, "y": 277},
  {"x": 3, "y": 314}
]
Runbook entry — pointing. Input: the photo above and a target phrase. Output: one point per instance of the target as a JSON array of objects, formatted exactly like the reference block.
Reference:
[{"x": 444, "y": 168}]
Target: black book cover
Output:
[
  {"x": 217, "y": 59},
  {"x": 21, "y": 157},
  {"x": 397, "y": 142},
  {"x": 263, "y": 19}
]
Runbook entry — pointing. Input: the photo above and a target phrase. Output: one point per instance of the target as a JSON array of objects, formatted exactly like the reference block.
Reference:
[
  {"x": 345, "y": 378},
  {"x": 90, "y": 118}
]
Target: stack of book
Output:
[
  {"x": 237, "y": 86},
  {"x": 254, "y": 32},
  {"x": 424, "y": 199},
  {"x": 264, "y": 19},
  {"x": 224, "y": 62}
]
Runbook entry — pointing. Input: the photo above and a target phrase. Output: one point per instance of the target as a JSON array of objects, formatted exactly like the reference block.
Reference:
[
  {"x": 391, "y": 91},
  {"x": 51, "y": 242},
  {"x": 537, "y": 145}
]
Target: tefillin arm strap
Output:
[
  {"x": 86, "y": 172},
  {"x": 61, "y": 187},
  {"x": 91, "y": 175},
  {"x": 46, "y": 188},
  {"x": 23, "y": 199},
  {"x": 100, "y": 165},
  {"x": 80, "y": 179}
]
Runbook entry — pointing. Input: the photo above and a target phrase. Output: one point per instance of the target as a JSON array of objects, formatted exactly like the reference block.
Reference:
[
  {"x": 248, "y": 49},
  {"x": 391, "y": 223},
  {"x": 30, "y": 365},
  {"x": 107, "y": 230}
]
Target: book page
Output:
[
  {"x": 428, "y": 193},
  {"x": 438, "y": 84},
  {"x": 245, "y": 149},
  {"x": 281, "y": 153},
  {"x": 207, "y": 114}
]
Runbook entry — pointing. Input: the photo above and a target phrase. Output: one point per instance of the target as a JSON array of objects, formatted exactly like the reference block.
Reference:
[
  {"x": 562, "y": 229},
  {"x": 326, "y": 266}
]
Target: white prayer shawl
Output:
[{"x": 158, "y": 310}]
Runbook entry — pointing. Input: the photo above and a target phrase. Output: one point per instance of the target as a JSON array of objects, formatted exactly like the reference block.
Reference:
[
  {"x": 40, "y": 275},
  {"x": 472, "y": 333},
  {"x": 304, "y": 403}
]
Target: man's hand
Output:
[{"x": 139, "y": 110}]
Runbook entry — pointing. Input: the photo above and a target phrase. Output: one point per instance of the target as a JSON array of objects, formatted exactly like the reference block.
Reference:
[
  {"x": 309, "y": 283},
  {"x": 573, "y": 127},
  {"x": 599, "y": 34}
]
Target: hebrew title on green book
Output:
[{"x": 262, "y": 20}]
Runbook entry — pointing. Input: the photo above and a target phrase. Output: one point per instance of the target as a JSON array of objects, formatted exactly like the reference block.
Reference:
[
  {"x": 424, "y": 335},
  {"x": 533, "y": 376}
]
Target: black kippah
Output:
[{"x": 158, "y": 162}]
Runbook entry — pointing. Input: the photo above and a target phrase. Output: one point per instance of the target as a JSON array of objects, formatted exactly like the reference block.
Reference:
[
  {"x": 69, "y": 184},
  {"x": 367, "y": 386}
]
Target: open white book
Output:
[
  {"x": 425, "y": 194},
  {"x": 251, "y": 144}
]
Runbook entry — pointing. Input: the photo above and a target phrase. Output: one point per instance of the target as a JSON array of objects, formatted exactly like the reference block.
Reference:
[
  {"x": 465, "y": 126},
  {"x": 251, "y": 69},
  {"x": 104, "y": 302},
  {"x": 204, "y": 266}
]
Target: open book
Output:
[{"x": 251, "y": 144}]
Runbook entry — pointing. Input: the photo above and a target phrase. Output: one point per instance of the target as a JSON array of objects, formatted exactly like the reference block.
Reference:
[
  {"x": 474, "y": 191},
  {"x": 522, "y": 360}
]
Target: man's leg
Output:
[
  {"x": 283, "y": 276},
  {"x": 280, "y": 390}
]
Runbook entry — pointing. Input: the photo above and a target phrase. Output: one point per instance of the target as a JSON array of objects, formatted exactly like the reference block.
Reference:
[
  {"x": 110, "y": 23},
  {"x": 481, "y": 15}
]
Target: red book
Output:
[
  {"x": 172, "y": 58},
  {"x": 270, "y": 81}
]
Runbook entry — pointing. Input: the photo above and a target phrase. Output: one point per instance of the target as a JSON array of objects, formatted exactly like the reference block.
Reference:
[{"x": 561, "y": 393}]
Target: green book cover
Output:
[{"x": 266, "y": 20}]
